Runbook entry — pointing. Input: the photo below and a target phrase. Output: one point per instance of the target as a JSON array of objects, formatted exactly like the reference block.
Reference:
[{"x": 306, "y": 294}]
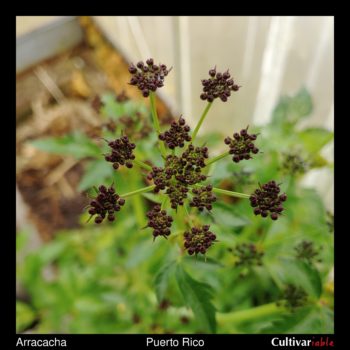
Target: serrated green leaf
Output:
[
  {"x": 301, "y": 103},
  {"x": 292, "y": 109},
  {"x": 161, "y": 280},
  {"x": 310, "y": 319},
  {"x": 25, "y": 316},
  {"x": 198, "y": 297},
  {"x": 77, "y": 145},
  {"x": 153, "y": 197},
  {"x": 298, "y": 273},
  {"x": 314, "y": 139},
  {"x": 224, "y": 216},
  {"x": 96, "y": 173}
]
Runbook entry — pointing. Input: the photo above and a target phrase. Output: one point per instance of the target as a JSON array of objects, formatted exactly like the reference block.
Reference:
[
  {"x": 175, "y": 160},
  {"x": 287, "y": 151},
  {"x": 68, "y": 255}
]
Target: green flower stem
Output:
[
  {"x": 215, "y": 159},
  {"x": 164, "y": 202},
  {"x": 188, "y": 215},
  {"x": 139, "y": 191},
  {"x": 259, "y": 312},
  {"x": 156, "y": 122},
  {"x": 205, "y": 112},
  {"x": 230, "y": 193},
  {"x": 142, "y": 165},
  {"x": 137, "y": 201}
]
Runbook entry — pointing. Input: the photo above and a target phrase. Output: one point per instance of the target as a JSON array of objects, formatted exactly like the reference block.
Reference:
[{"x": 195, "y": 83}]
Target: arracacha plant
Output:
[{"x": 182, "y": 179}]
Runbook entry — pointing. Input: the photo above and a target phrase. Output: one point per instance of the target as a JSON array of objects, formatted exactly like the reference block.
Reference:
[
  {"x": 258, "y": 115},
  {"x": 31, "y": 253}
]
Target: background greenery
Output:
[{"x": 113, "y": 278}]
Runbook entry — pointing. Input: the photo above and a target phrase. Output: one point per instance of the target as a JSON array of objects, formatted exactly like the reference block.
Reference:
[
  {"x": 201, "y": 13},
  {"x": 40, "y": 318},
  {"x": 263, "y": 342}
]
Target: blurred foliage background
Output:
[{"x": 113, "y": 278}]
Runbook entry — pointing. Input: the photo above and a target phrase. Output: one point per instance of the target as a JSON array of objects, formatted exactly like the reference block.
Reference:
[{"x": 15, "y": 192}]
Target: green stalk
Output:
[
  {"x": 205, "y": 112},
  {"x": 156, "y": 122},
  {"x": 142, "y": 165},
  {"x": 188, "y": 215},
  {"x": 137, "y": 201},
  {"x": 139, "y": 191},
  {"x": 164, "y": 202},
  {"x": 215, "y": 159},
  {"x": 230, "y": 193},
  {"x": 259, "y": 312}
]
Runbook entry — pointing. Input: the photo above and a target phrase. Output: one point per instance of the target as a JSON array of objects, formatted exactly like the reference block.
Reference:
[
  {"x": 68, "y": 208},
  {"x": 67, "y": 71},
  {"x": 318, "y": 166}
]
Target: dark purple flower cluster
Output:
[
  {"x": 122, "y": 152},
  {"x": 294, "y": 297},
  {"x": 294, "y": 164},
  {"x": 159, "y": 221},
  {"x": 307, "y": 251},
  {"x": 242, "y": 145},
  {"x": 203, "y": 198},
  {"x": 198, "y": 239},
  {"x": 177, "y": 194},
  {"x": 218, "y": 85},
  {"x": 178, "y": 173},
  {"x": 148, "y": 77},
  {"x": 177, "y": 135},
  {"x": 161, "y": 177},
  {"x": 267, "y": 199},
  {"x": 248, "y": 255},
  {"x": 106, "y": 203},
  {"x": 195, "y": 157}
]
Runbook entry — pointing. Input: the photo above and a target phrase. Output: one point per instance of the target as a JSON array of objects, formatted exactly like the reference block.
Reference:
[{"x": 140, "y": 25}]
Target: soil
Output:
[{"x": 52, "y": 99}]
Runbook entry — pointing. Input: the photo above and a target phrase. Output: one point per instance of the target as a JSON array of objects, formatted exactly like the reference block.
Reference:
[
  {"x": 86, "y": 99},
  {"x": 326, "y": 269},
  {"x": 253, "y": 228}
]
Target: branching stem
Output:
[{"x": 201, "y": 120}]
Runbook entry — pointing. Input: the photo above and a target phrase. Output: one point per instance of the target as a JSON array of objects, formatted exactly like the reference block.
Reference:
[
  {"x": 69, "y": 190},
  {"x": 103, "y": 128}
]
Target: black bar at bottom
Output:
[{"x": 175, "y": 341}]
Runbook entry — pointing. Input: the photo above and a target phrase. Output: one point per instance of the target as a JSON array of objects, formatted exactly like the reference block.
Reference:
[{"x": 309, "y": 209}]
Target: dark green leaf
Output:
[
  {"x": 292, "y": 109},
  {"x": 25, "y": 316},
  {"x": 198, "y": 297},
  {"x": 161, "y": 280},
  {"x": 310, "y": 319},
  {"x": 298, "y": 273},
  {"x": 96, "y": 173},
  {"x": 77, "y": 145},
  {"x": 314, "y": 139}
]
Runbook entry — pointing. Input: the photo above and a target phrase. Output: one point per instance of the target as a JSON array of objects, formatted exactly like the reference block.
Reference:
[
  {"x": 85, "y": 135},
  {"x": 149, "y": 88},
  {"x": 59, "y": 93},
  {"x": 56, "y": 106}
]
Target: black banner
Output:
[{"x": 175, "y": 341}]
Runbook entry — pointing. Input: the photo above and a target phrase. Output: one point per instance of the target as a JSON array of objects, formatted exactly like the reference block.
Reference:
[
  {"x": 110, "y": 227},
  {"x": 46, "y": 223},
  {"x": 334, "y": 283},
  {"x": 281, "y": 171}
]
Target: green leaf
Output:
[
  {"x": 152, "y": 197},
  {"x": 77, "y": 145},
  {"x": 292, "y": 109},
  {"x": 225, "y": 217},
  {"x": 310, "y": 319},
  {"x": 161, "y": 280},
  {"x": 298, "y": 273},
  {"x": 25, "y": 316},
  {"x": 301, "y": 103},
  {"x": 314, "y": 139},
  {"x": 96, "y": 173},
  {"x": 198, "y": 297}
]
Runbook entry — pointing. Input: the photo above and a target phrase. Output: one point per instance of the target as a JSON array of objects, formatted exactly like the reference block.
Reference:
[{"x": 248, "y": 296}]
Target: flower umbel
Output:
[
  {"x": 199, "y": 239},
  {"x": 307, "y": 251},
  {"x": 148, "y": 77},
  {"x": 218, "y": 85},
  {"x": 180, "y": 175},
  {"x": 159, "y": 221},
  {"x": 248, "y": 255},
  {"x": 177, "y": 135},
  {"x": 106, "y": 203},
  {"x": 122, "y": 152},
  {"x": 242, "y": 145},
  {"x": 294, "y": 296},
  {"x": 203, "y": 198},
  {"x": 267, "y": 199}
]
